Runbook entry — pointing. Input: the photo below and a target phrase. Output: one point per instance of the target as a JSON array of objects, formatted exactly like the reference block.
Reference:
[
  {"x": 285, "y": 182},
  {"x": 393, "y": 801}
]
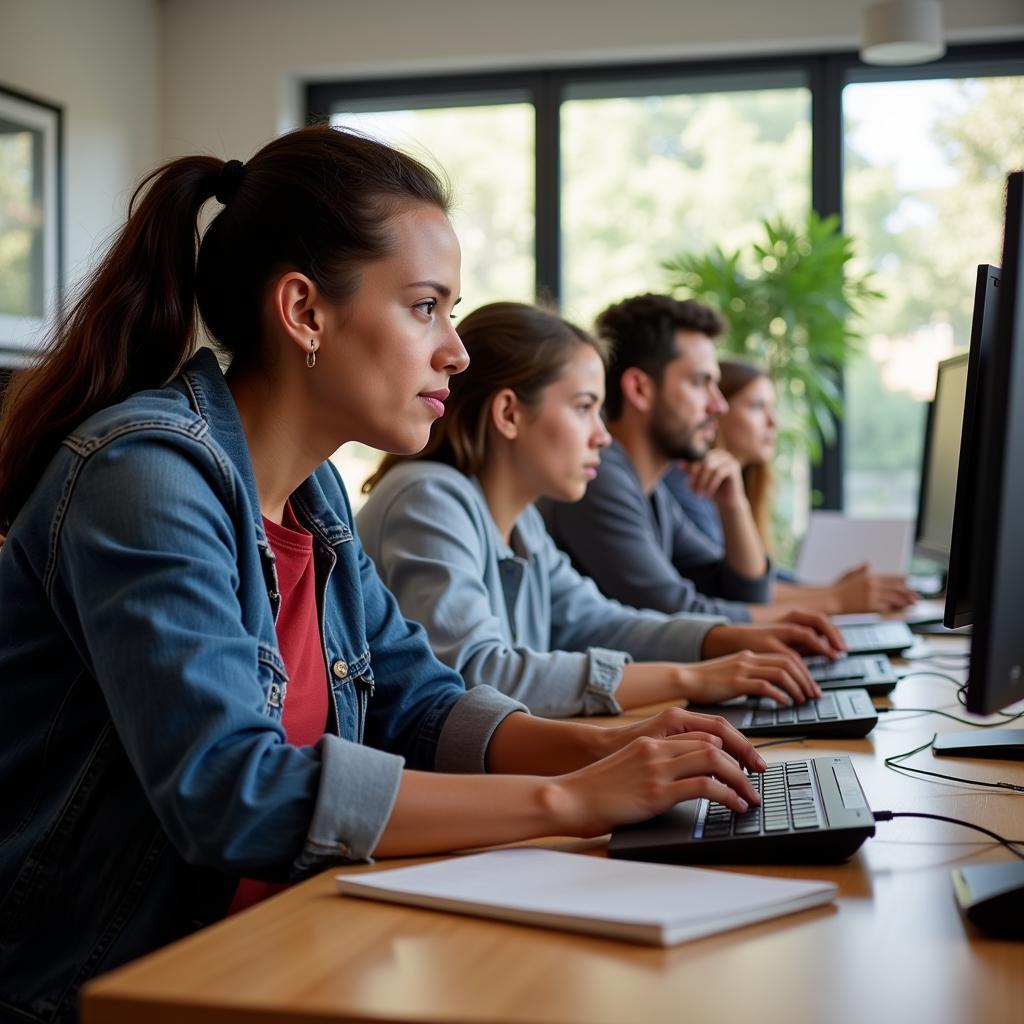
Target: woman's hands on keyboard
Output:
[
  {"x": 674, "y": 756},
  {"x": 806, "y": 632},
  {"x": 783, "y": 677}
]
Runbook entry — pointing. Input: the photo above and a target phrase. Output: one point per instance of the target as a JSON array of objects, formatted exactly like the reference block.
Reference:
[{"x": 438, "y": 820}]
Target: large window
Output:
[
  {"x": 925, "y": 167},
  {"x": 606, "y": 173}
]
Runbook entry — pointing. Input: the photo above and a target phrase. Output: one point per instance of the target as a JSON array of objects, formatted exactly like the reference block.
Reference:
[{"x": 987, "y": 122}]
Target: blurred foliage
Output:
[
  {"x": 923, "y": 232},
  {"x": 20, "y": 224},
  {"x": 793, "y": 306},
  {"x": 646, "y": 177}
]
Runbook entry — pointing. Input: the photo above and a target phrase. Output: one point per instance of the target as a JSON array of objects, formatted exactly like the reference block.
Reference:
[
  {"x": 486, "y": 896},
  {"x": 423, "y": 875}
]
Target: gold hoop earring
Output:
[{"x": 311, "y": 354}]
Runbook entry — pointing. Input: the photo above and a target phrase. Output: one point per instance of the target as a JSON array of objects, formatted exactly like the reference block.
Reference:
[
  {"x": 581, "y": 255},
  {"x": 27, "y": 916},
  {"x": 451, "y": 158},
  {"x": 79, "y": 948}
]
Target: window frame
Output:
[{"x": 825, "y": 75}]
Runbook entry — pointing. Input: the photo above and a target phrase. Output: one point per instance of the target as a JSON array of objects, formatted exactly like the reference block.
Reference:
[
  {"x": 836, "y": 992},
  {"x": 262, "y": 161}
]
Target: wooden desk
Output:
[{"x": 893, "y": 947}]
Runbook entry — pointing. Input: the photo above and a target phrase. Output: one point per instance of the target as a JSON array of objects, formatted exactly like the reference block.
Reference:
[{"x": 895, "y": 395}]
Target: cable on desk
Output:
[
  {"x": 961, "y": 696},
  {"x": 933, "y": 674},
  {"x": 783, "y": 739},
  {"x": 1008, "y": 843},
  {"x": 946, "y": 714},
  {"x": 893, "y": 762}
]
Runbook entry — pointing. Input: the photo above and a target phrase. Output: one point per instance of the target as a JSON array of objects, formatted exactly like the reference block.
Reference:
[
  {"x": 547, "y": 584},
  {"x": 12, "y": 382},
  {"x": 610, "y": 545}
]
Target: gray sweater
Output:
[
  {"x": 517, "y": 618},
  {"x": 641, "y": 549}
]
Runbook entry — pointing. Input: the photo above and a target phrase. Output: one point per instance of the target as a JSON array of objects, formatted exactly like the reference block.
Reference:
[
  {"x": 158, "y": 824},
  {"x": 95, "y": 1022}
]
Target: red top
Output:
[{"x": 304, "y": 715}]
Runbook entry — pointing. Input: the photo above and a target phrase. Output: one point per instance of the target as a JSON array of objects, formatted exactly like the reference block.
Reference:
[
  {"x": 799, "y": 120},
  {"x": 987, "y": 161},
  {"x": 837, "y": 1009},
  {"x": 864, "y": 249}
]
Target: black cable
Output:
[
  {"x": 1008, "y": 843},
  {"x": 933, "y": 675},
  {"x": 893, "y": 762},
  {"x": 946, "y": 714},
  {"x": 784, "y": 739},
  {"x": 959, "y": 656},
  {"x": 961, "y": 696}
]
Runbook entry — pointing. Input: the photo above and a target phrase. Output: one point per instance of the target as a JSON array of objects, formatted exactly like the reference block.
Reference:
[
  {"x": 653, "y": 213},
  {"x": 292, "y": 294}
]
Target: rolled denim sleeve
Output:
[
  {"x": 469, "y": 727},
  {"x": 357, "y": 791},
  {"x": 603, "y": 680}
]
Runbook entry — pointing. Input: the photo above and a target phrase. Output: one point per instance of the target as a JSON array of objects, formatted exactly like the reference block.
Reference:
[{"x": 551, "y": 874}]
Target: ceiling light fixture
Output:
[{"x": 902, "y": 32}]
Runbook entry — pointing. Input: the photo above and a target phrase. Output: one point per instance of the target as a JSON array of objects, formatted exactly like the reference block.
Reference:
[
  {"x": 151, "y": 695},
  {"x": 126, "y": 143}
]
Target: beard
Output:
[{"x": 674, "y": 438}]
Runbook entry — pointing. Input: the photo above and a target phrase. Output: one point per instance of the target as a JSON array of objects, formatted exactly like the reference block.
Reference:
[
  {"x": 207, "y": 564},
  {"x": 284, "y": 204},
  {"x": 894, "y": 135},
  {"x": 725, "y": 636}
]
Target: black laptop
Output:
[
  {"x": 813, "y": 811},
  {"x": 842, "y": 714}
]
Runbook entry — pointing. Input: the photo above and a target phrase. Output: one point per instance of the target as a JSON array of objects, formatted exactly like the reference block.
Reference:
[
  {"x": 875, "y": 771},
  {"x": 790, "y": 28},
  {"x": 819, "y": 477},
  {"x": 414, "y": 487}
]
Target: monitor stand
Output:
[
  {"x": 991, "y": 897},
  {"x": 1002, "y": 744},
  {"x": 937, "y": 629}
]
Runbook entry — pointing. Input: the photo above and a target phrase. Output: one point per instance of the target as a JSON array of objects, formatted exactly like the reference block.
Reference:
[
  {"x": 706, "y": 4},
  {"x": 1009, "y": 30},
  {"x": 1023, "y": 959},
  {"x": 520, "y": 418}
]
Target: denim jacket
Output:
[{"x": 143, "y": 763}]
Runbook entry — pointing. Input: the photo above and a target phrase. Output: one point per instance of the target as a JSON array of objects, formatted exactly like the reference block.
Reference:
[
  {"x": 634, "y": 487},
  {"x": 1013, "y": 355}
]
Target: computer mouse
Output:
[{"x": 991, "y": 897}]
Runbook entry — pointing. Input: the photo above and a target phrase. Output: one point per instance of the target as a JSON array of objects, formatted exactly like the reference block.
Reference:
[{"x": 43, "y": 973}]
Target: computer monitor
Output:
[
  {"x": 959, "y": 557},
  {"x": 939, "y": 462},
  {"x": 987, "y": 536}
]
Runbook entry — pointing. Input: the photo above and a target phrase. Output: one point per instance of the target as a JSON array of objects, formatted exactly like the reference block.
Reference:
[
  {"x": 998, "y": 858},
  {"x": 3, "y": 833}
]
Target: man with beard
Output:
[{"x": 662, "y": 405}]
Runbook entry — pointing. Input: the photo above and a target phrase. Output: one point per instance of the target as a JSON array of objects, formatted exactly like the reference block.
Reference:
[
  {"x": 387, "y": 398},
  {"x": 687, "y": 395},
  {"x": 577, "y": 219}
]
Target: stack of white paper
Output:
[{"x": 659, "y": 904}]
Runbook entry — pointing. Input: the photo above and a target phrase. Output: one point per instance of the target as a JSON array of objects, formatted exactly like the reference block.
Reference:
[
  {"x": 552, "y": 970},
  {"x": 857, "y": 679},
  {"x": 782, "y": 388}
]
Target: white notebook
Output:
[{"x": 658, "y": 904}]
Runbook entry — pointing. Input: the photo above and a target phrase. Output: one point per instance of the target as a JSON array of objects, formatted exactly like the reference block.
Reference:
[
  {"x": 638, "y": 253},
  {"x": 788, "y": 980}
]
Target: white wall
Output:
[
  {"x": 98, "y": 60},
  {"x": 140, "y": 80},
  {"x": 230, "y": 67}
]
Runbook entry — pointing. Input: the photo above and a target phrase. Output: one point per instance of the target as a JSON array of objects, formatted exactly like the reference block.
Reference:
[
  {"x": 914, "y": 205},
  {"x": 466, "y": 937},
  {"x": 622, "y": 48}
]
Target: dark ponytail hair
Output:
[
  {"x": 510, "y": 345},
  {"x": 317, "y": 200}
]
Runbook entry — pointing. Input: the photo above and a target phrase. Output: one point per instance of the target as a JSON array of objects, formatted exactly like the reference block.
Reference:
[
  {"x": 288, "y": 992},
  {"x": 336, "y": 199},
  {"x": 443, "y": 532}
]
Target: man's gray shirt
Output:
[
  {"x": 518, "y": 618},
  {"x": 639, "y": 551}
]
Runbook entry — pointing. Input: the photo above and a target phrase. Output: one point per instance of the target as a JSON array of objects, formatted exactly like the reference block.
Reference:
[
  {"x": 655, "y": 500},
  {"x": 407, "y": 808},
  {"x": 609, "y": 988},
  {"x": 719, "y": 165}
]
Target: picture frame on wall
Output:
[{"x": 30, "y": 223}]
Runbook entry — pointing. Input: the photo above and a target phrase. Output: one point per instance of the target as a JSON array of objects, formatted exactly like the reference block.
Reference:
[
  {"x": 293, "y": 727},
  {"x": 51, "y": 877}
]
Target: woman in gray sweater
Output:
[{"x": 455, "y": 537}]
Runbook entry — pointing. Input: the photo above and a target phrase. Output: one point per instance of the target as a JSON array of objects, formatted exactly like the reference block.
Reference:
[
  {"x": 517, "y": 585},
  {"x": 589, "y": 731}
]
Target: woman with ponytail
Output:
[
  {"x": 207, "y": 691},
  {"x": 456, "y": 539}
]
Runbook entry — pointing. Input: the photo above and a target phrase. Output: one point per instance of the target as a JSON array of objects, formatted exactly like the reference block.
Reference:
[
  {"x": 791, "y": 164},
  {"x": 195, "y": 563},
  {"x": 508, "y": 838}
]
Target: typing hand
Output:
[
  {"x": 806, "y": 632},
  {"x": 675, "y": 756},
  {"x": 862, "y": 591},
  {"x": 782, "y": 676}
]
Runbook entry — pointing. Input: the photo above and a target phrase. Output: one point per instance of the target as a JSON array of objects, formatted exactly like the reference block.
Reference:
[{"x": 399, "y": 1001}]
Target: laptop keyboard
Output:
[{"x": 790, "y": 803}]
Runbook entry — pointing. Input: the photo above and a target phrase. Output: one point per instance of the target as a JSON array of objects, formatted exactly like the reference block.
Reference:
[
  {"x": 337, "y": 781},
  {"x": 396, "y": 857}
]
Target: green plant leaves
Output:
[{"x": 793, "y": 303}]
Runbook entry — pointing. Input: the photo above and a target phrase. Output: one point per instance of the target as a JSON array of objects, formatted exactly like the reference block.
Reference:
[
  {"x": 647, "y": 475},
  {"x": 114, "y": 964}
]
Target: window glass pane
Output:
[
  {"x": 21, "y": 221},
  {"x": 646, "y": 178},
  {"x": 925, "y": 165},
  {"x": 487, "y": 153}
]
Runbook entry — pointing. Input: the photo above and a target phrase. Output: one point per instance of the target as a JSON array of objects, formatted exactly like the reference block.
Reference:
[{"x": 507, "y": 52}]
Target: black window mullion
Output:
[
  {"x": 548, "y": 191},
  {"x": 827, "y": 198}
]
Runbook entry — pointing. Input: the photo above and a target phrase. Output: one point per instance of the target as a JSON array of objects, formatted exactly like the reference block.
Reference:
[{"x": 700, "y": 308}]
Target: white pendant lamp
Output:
[{"x": 902, "y": 32}]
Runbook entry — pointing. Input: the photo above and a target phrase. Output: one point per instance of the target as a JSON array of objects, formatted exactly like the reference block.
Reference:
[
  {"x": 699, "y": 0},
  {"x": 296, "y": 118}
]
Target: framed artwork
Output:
[{"x": 30, "y": 229}]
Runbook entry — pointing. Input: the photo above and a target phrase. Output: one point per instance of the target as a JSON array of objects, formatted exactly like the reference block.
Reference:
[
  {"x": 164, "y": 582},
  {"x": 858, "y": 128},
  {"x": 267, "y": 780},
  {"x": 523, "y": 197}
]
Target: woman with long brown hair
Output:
[
  {"x": 206, "y": 688},
  {"x": 456, "y": 538},
  {"x": 747, "y": 434}
]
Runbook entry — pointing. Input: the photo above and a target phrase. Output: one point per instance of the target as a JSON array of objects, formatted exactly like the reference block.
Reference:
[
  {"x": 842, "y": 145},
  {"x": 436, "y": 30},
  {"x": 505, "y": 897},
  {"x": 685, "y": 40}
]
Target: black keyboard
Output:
[
  {"x": 872, "y": 672},
  {"x": 813, "y": 810},
  {"x": 889, "y": 637},
  {"x": 844, "y": 713}
]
